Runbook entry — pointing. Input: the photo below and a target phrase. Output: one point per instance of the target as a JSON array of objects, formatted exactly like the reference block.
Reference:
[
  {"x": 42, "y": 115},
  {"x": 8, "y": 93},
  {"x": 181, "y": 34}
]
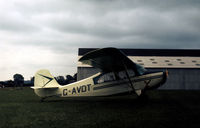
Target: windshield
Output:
[{"x": 141, "y": 70}]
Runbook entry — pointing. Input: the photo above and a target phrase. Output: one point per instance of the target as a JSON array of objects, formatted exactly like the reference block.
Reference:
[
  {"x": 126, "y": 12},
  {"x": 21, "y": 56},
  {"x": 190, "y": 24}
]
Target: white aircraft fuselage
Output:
[{"x": 46, "y": 85}]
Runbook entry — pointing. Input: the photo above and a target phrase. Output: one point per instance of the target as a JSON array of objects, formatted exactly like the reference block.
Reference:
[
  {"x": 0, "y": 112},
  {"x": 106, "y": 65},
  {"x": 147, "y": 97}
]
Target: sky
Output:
[{"x": 46, "y": 34}]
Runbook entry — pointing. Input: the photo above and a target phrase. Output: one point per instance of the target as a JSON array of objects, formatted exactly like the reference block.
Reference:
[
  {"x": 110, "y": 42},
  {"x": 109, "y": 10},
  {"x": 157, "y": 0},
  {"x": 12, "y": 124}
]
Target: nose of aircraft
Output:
[
  {"x": 165, "y": 75},
  {"x": 164, "y": 79}
]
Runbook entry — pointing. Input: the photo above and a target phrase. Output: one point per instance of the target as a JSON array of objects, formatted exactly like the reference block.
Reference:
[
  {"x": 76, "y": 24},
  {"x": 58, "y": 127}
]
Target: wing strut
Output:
[{"x": 126, "y": 70}]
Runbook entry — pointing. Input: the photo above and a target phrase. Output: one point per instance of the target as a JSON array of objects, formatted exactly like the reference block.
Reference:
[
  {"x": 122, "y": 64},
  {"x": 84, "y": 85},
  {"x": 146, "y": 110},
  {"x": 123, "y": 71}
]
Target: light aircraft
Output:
[{"x": 119, "y": 75}]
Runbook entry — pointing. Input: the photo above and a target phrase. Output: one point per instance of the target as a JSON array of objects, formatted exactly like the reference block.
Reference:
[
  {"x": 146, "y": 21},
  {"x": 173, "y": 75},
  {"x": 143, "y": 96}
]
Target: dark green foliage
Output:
[
  {"x": 22, "y": 108},
  {"x": 18, "y": 80}
]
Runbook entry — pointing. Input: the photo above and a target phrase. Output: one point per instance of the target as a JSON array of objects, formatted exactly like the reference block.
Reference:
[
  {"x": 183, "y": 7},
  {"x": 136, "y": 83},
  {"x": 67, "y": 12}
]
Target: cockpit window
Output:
[
  {"x": 122, "y": 74},
  {"x": 106, "y": 77},
  {"x": 141, "y": 70},
  {"x": 111, "y": 76}
]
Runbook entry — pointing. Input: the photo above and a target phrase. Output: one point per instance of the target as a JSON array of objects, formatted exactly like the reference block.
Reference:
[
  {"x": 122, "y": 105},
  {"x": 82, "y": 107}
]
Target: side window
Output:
[
  {"x": 131, "y": 73},
  {"x": 122, "y": 74},
  {"x": 104, "y": 78},
  {"x": 111, "y": 76}
]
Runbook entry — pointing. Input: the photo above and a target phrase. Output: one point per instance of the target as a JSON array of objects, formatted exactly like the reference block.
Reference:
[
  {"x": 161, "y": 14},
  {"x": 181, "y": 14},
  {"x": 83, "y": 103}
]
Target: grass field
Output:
[{"x": 22, "y": 108}]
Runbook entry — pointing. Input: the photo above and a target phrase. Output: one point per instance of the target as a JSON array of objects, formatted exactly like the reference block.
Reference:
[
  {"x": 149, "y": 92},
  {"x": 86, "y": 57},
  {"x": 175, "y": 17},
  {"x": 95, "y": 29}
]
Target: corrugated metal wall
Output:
[{"x": 186, "y": 79}]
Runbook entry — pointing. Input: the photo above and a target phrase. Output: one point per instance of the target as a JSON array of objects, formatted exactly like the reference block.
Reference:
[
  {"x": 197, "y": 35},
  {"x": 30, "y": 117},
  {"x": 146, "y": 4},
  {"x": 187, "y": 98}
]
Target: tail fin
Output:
[{"x": 43, "y": 79}]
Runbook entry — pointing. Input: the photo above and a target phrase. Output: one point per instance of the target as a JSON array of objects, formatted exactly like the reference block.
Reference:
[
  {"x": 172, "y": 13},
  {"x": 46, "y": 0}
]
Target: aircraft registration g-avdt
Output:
[{"x": 119, "y": 75}]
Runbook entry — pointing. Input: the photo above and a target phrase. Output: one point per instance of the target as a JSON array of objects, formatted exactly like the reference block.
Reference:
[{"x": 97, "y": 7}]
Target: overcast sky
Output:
[{"x": 37, "y": 34}]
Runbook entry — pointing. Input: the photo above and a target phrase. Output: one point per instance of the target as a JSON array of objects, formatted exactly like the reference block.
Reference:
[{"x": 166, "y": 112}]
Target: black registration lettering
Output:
[
  {"x": 83, "y": 88},
  {"x": 64, "y": 92},
  {"x": 80, "y": 89}
]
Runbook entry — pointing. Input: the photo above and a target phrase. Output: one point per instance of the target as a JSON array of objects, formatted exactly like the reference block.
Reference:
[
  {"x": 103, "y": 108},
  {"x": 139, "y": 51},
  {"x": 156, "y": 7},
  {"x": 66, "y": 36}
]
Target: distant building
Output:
[{"x": 183, "y": 65}]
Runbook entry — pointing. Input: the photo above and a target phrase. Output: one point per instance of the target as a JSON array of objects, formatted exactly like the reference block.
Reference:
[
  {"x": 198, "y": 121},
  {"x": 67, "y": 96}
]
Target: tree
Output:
[
  {"x": 18, "y": 80},
  {"x": 75, "y": 76},
  {"x": 9, "y": 83},
  {"x": 32, "y": 81},
  {"x": 69, "y": 79},
  {"x": 60, "y": 80}
]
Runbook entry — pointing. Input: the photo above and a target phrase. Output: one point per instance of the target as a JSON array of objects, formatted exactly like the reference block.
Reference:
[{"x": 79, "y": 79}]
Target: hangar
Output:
[{"x": 183, "y": 65}]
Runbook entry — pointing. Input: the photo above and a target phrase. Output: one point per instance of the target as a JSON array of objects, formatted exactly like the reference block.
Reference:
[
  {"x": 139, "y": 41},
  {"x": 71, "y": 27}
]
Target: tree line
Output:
[{"x": 18, "y": 81}]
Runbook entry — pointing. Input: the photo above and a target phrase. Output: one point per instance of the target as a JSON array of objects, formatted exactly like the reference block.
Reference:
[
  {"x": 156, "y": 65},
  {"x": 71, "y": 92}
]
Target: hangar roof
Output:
[{"x": 158, "y": 58}]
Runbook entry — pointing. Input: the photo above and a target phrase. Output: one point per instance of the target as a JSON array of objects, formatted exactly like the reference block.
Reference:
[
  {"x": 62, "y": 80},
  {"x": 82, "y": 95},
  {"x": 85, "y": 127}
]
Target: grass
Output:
[{"x": 22, "y": 108}]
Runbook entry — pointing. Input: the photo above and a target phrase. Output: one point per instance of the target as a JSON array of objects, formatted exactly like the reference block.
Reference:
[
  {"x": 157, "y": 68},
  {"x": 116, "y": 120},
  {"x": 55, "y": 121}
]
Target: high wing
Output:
[{"x": 111, "y": 60}]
